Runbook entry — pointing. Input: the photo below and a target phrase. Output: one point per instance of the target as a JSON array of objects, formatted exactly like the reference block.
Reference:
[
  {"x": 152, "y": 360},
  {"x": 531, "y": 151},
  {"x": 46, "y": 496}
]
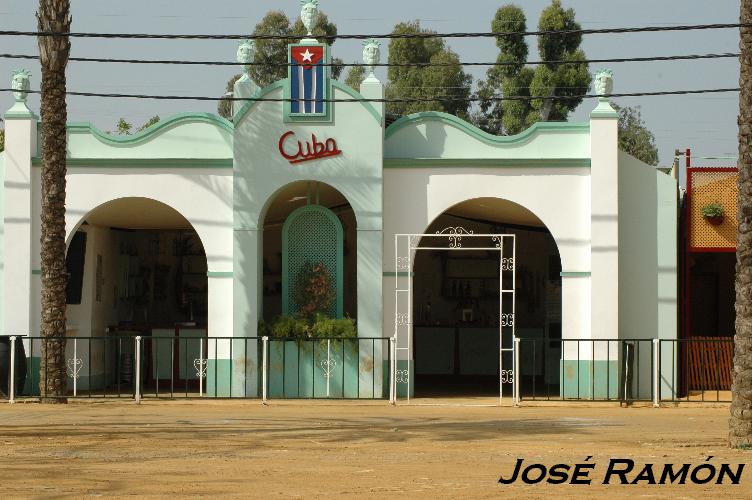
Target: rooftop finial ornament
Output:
[
  {"x": 371, "y": 54},
  {"x": 20, "y": 84},
  {"x": 308, "y": 13},
  {"x": 604, "y": 83},
  {"x": 246, "y": 54}
]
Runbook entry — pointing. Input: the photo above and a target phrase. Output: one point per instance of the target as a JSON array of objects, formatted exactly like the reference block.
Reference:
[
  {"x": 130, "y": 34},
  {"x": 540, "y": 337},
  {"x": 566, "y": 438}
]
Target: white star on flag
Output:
[{"x": 307, "y": 56}]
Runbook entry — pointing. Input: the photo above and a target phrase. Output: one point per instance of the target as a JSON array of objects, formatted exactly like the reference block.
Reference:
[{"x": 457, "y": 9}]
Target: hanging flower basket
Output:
[{"x": 713, "y": 213}]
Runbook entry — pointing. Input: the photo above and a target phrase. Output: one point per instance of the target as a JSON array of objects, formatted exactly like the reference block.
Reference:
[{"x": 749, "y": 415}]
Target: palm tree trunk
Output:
[
  {"x": 53, "y": 16},
  {"x": 740, "y": 423}
]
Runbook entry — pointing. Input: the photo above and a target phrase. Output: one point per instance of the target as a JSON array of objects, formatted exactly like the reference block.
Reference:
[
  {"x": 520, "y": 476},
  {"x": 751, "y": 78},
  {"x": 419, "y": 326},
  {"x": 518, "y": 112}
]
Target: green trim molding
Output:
[
  {"x": 149, "y": 133},
  {"x": 483, "y": 136},
  {"x": 575, "y": 274},
  {"x": 222, "y": 163},
  {"x": 401, "y": 274},
  {"x": 486, "y": 162},
  {"x": 20, "y": 111},
  {"x": 219, "y": 274},
  {"x": 36, "y": 272}
]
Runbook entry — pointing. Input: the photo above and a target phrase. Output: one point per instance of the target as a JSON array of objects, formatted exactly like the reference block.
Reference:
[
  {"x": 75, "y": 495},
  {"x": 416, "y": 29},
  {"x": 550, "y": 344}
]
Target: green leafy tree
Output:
[
  {"x": 2, "y": 140},
  {"x": 151, "y": 121},
  {"x": 123, "y": 127},
  {"x": 271, "y": 54},
  {"x": 513, "y": 78},
  {"x": 446, "y": 85},
  {"x": 355, "y": 77},
  {"x": 563, "y": 81},
  {"x": 634, "y": 136},
  {"x": 224, "y": 108}
]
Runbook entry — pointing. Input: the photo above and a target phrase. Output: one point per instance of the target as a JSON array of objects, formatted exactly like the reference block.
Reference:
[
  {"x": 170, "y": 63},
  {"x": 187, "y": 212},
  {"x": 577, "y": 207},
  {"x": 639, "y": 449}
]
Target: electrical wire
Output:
[
  {"x": 393, "y": 65},
  {"x": 394, "y": 100},
  {"x": 501, "y": 34}
]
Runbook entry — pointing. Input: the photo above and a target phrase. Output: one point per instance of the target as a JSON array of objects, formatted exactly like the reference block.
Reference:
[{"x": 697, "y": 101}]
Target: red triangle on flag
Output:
[{"x": 307, "y": 55}]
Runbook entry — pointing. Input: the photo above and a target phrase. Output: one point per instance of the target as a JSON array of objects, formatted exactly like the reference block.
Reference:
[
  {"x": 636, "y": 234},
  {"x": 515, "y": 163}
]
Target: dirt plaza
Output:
[{"x": 347, "y": 449}]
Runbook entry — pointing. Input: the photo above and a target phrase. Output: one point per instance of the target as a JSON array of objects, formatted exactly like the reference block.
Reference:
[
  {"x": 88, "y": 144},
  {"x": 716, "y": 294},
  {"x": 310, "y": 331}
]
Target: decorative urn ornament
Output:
[
  {"x": 246, "y": 54},
  {"x": 308, "y": 13},
  {"x": 604, "y": 83},
  {"x": 21, "y": 84},
  {"x": 371, "y": 54},
  {"x": 713, "y": 213}
]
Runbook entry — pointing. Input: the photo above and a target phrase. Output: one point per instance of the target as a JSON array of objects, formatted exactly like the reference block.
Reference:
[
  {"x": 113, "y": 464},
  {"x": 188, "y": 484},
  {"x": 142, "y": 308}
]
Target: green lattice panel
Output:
[{"x": 312, "y": 234}]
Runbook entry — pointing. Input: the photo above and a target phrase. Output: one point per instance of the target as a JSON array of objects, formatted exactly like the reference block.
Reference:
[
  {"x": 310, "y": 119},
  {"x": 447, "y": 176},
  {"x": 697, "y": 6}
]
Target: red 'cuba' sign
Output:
[{"x": 311, "y": 150}]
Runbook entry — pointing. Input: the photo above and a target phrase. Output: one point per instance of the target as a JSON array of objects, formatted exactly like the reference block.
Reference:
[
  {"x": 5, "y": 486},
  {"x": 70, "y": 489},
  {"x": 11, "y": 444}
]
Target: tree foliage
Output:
[
  {"x": 634, "y": 136},
  {"x": 124, "y": 127},
  {"x": 355, "y": 77},
  {"x": 2, "y": 140},
  {"x": 271, "y": 54},
  {"x": 545, "y": 81},
  {"x": 151, "y": 121},
  {"x": 449, "y": 85}
]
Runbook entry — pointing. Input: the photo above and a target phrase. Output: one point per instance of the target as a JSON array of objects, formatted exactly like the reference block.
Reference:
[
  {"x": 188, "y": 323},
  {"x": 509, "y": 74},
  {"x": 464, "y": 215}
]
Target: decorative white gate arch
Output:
[{"x": 451, "y": 239}]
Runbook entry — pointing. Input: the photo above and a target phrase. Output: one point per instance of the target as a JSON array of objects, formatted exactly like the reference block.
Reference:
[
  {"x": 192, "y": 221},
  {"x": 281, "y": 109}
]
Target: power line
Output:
[
  {"x": 600, "y": 31},
  {"x": 393, "y": 65},
  {"x": 394, "y": 100}
]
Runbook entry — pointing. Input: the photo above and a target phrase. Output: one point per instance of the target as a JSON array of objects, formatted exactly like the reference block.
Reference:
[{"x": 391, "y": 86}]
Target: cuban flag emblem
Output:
[{"x": 307, "y": 79}]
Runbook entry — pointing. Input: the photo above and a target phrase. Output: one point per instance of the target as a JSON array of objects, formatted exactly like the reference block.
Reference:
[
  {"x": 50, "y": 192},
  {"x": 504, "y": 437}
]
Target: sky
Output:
[{"x": 704, "y": 123}]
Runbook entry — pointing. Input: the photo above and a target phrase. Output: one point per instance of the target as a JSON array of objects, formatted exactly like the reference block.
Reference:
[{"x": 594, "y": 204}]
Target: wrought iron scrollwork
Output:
[
  {"x": 455, "y": 235},
  {"x": 199, "y": 365},
  {"x": 507, "y": 319},
  {"x": 74, "y": 366},
  {"x": 403, "y": 264},
  {"x": 402, "y": 319},
  {"x": 403, "y": 376},
  {"x": 507, "y": 264},
  {"x": 507, "y": 376},
  {"x": 327, "y": 366}
]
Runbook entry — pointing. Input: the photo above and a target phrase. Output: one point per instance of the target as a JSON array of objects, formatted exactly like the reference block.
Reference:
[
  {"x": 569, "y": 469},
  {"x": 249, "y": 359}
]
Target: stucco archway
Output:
[
  {"x": 136, "y": 267},
  {"x": 456, "y": 303}
]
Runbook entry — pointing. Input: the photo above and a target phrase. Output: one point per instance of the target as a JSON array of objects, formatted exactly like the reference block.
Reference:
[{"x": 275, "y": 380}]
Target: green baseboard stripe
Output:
[
  {"x": 219, "y": 274},
  {"x": 401, "y": 274},
  {"x": 575, "y": 274},
  {"x": 587, "y": 379}
]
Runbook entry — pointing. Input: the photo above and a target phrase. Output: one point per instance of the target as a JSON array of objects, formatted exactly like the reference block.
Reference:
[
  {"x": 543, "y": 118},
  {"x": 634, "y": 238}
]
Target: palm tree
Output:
[
  {"x": 53, "y": 16},
  {"x": 740, "y": 423}
]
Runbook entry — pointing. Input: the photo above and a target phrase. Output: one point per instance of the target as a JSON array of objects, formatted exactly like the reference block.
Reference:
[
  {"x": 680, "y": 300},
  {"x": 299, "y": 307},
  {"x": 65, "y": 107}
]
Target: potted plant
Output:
[{"x": 713, "y": 213}]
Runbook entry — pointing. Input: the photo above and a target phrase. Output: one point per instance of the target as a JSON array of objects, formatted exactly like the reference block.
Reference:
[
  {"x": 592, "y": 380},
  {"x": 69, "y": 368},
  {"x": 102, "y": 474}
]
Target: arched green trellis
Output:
[{"x": 311, "y": 235}]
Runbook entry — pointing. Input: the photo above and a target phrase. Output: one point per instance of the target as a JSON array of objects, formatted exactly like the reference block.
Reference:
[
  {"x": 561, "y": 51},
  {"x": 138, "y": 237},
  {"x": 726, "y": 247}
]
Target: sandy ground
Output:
[{"x": 345, "y": 449}]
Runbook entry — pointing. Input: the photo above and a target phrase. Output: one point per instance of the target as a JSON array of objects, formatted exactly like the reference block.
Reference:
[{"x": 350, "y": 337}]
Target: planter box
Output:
[{"x": 313, "y": 369}]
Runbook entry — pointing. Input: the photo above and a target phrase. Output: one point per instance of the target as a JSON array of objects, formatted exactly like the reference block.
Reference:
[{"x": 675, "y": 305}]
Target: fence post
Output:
[
  {"x": 200, "y": 364},
  {"x": 329, "y": 367},
  {"x": 656, "y": 373},
  {"x": 75, "y": 372},
  {"x": 138, "y": 369},
  {"x": 393, "y": 371},
  {"x": 264, "y": 361},
  {"x": 516, "y": 373},
  {"x": 12, "y": 381}
]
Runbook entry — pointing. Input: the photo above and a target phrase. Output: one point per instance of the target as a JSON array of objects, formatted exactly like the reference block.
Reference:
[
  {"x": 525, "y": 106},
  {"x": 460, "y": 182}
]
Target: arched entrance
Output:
[
  {"x": 136, "y": 267},
  {"x": 456, "y": 302},
  {"x": 309, "y": 225}
]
